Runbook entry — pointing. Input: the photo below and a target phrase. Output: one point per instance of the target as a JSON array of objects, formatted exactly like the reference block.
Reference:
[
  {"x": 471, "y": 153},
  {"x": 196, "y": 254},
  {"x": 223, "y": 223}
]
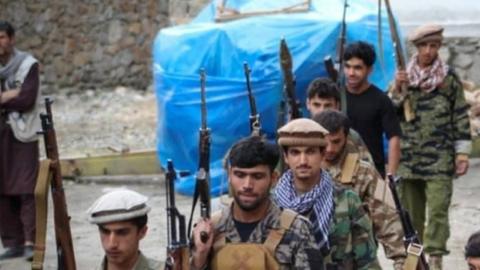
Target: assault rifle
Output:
[
  {"x": 254, "y": 116},
  {"x": 177, "y": 247},
  {"x": 50, "y": 171},
  {"x": 335, "y": 70},
  {"x": 289, "y": 81},
  {"x": 412, "y": 242},
  {"x": 400, "y": 60},
  {"x": 202, "y": 189}
]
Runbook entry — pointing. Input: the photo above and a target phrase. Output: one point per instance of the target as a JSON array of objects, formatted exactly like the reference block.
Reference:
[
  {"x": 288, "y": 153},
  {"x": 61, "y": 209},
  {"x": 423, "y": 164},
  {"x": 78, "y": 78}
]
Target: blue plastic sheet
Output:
[{"x": 221, "y": 48}]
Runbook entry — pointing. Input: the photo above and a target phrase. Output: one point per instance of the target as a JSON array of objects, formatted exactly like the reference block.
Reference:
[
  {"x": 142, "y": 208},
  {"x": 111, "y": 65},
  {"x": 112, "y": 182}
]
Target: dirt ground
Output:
[{"x": 92, "y": 122}]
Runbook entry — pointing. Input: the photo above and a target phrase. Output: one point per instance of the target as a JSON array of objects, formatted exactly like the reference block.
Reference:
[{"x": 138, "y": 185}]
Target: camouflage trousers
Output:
[{"x": 430, "y": 197}]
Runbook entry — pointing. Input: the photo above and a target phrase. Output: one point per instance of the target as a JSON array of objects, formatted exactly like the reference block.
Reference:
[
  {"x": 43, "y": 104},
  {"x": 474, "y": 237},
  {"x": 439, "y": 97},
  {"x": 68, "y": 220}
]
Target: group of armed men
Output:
[{"x": 331, "y": 207}]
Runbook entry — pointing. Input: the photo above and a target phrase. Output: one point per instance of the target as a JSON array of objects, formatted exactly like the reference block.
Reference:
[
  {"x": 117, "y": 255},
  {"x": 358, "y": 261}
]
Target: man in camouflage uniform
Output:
[
  {"x": 121, "y": 216},
  {"x": 343, "y": 162},
  {"x": 323, "y": 94},
  {"x": 341, "y": 226},
  {"x": 436, "y": 140},
  {"x": 254, "y": 233}
]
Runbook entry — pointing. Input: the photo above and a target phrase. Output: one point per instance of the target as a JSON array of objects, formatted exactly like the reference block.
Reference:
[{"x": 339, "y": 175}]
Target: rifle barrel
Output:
[
  {"x": 203, "y": 102},
  {"x": 251, "y": 99}
]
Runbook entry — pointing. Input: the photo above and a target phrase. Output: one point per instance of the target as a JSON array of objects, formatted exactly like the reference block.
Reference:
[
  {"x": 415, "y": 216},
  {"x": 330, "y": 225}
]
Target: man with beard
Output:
[
  {"x": 341, "y": 226},
  {"x": 254, "y": 233},
  {"x": 435, "y": 143},
  {"x": 343, "y": 162},
  {"x": 323, "y": 94},
  {"x": 19, "y": 95},
  {"x": 121, "y": 216},
  {"x": 370, "y": 111}
]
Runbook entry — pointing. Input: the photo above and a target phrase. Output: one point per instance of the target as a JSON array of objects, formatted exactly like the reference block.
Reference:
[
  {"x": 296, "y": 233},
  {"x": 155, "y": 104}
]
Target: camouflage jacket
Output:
[
  {"x": 296, "y": 250},
  {"x": 439, "y": 131},
  {"x": 352, "y": 245},
  {"x": 143, "y": 263},
  {"x": 363, "y": 178}
]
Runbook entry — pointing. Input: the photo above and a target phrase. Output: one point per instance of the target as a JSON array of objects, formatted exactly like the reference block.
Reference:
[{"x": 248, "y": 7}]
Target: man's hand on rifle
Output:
[
  {"x": 201, "y": 250},
  {"x": 401, "y": 77}
]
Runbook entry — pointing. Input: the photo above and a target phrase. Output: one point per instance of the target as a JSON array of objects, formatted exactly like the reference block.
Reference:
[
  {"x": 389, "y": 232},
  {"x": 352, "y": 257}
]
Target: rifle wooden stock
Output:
[
  {"x": 400, "y": 61},
  {"x": 411, "y": 237},
  {"x": 63, "y": 235}
]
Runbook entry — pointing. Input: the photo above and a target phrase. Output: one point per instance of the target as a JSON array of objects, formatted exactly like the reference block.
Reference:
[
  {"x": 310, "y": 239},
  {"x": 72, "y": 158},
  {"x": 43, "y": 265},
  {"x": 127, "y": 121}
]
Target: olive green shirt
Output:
[{"x": 143, "y": 263}]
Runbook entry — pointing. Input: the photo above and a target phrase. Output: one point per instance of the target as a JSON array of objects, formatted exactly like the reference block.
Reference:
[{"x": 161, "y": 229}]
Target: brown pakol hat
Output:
[
  {"x": 426, "y": 33},
  {"x": 302, "y": 132}
]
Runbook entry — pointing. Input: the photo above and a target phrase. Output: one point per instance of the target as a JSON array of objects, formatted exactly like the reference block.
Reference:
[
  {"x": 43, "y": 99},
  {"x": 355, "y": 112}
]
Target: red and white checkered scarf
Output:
[{"x": 427, "y": 79}]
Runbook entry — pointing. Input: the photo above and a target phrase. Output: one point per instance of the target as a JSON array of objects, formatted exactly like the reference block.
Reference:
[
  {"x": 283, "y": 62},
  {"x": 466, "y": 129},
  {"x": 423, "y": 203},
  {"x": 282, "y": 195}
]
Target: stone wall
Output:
[
  {"x": 464, "y": 55},
  {"x": 88, "y": 44},
  {"x": 182, "y": 11},
  {"x": 103, "y": 44}
]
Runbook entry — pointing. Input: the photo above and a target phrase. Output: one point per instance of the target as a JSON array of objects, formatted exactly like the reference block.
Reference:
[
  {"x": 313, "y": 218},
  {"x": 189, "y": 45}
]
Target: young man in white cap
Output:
[
  {"x": 436, "y": 139},
  {"x": 121, "y": 216}
]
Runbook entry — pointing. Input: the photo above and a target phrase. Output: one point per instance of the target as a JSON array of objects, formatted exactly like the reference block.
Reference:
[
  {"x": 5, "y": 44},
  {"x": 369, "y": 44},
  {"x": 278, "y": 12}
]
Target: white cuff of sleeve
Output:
[{"x": 463, "y": 147}]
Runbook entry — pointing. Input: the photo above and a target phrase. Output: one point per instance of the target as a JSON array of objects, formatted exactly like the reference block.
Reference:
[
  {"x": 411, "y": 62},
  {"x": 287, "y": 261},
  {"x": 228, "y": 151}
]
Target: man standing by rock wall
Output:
[
  {"x": 436, "y": 140},
  {"x": 18, "y": 145}
]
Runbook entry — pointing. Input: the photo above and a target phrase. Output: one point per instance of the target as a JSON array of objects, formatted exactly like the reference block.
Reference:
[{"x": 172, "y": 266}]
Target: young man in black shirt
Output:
[{"x": 370, "y": 110}]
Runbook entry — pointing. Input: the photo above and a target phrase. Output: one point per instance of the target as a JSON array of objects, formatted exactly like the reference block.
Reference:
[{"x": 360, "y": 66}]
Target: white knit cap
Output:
[{"x": 118, "y": 205}]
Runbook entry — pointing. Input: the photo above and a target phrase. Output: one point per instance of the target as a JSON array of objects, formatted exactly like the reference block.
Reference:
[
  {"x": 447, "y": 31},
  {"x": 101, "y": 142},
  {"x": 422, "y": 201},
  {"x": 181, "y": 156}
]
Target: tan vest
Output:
[
  {"x": 349, "y": 167},
  {"x": 249, "y": 256}
]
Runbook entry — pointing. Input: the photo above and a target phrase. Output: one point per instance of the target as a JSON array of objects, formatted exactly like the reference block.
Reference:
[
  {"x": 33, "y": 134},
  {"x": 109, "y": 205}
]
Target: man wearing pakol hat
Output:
[
  {"x": 121, "y": 216},
  {"x": 436, "y": 140},
  {"x": 344, "y": 163},
  {"x": 341, "y": 226}
]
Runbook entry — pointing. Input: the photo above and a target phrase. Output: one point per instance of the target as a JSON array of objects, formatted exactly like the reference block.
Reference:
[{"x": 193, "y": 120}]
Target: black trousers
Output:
[{"x": 17, "y": 219}]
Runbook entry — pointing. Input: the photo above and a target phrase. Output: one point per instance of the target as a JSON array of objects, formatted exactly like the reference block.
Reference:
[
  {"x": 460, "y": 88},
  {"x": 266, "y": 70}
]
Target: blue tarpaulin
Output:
[{"x": 221, "y": 48}]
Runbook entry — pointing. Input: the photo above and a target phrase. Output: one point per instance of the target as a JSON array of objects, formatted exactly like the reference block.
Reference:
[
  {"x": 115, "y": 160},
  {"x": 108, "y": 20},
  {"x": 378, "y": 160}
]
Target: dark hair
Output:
[
  {"x": 362, "y": 50},
  {"x": 253, "y": 151},
  {"x": 472, "y": 248},
  {"x": 323, "y": 88},
  {"x": 333, "y": 121},
  {"x": 140, "y": 222},
  {"x": 8, "y": 28}
]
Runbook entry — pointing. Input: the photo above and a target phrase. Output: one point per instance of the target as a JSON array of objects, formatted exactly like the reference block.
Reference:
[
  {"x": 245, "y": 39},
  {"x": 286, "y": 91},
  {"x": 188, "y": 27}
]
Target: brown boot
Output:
[{"x": 435, "y": 262}]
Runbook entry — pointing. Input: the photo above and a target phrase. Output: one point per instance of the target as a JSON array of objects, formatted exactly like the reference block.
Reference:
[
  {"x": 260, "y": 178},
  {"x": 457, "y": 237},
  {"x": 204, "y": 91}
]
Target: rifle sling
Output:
[
  {"x": 196, "y": 194},
  {"x": 414, "y": 251},
  {"x": 343, "y": 100},
  {"x": 41, "y": 213}
]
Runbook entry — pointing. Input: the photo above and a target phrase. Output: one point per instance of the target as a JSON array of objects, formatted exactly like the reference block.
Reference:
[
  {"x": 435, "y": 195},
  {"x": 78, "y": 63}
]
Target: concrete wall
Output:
[{"x": 88, "y": 44}]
